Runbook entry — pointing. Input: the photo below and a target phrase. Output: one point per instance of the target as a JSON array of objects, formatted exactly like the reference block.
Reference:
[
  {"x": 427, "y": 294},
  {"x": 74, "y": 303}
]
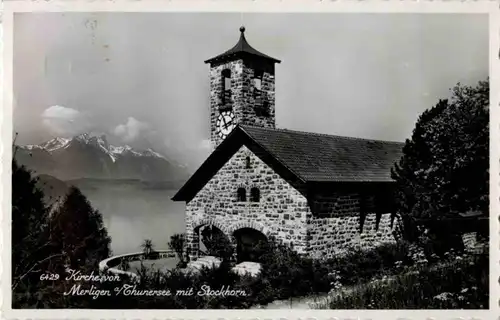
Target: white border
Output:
[{"x": 490, "y": 7}]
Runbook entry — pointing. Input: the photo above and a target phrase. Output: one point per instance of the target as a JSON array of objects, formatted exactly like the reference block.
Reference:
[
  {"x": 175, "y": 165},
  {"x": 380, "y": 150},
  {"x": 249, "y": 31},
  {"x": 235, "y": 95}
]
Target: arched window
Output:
[
  {"x": 255, "y": 195},
  {"x": 241, "y": 194},
  {"x": 257, "y": 80},
  {"x": 226, "y": 86},
  {"x": 247, "y": 162},
  {"x": 257, "y": 88}
]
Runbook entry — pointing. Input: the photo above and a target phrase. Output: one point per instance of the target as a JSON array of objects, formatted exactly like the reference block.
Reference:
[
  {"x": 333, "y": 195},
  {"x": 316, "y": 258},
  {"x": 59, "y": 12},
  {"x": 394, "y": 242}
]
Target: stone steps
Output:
[
  {"x": 252, "y": 268},
  {"x": 207, "y": 261}
]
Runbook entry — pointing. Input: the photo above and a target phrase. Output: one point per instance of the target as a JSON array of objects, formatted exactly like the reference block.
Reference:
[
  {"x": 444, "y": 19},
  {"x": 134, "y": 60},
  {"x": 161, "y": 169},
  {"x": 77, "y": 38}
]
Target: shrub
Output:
[
  {"x": 359, "y": 266},
  {"x": 217, "y": 243},
  {"x": 285, "y": 275},
  {"x": 124, "y": 265},
  {"x": 463, "y": 283},
  {"x": 178, "y": 244},
  {"x": 147, "y": 247}
]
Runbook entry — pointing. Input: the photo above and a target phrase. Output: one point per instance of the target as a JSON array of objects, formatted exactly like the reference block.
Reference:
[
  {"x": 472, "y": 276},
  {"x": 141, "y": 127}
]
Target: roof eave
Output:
[
  {"x": 185, "y": 193},
  {"x": 350, "y": 181},
  {"x": 225, "y": 57},
  {"x": 237, "y": 138}
]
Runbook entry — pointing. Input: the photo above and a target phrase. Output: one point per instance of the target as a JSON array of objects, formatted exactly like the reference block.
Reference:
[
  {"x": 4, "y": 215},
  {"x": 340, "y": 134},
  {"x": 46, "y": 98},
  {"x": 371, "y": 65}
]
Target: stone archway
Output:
[
  {"x": 252, "y": 225},
  {"x": 250, "y": 244},
  {"x": 251, "y": 240},
  {"x": 195, "y": 245}
]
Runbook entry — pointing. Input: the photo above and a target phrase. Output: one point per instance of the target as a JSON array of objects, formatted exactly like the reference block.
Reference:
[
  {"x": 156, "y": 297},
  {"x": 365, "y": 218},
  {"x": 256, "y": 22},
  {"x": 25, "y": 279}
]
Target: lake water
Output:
[{"x": 133, "y": 212}]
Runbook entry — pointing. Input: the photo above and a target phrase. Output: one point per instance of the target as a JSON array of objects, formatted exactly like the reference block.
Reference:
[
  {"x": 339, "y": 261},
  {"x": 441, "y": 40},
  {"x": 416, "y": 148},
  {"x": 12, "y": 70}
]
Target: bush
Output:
[
  {"x": 178, "y": 245},
  {"x": 184, "y": 288},
  {"x": 463, "y": 283},
  {"x": 359, "y": 266},
  {"x": 217, "y": 243},
  {"x": 285, "y": 275},
  {"x": 147, "y": 248}
]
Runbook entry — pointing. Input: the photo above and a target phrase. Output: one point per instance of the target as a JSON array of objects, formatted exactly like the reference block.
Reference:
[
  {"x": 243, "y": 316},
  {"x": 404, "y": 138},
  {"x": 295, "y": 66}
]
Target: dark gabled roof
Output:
[
  {"x": 302, "y": 157},
  {"x": 328, "y": 158},
  {"x": 241, "y": 48}
]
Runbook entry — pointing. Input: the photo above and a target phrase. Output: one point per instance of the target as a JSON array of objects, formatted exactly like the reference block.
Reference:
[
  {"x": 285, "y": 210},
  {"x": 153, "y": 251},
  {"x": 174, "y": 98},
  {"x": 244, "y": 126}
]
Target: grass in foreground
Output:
[{"x": 463, "y": 284}]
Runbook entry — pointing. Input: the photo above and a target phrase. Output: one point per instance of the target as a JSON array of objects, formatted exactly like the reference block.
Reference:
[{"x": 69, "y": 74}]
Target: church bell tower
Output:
[{"x": 241, "y": 90}]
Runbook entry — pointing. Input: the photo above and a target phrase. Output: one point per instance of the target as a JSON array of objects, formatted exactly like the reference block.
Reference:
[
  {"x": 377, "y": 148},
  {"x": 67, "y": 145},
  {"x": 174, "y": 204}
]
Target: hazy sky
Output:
[{"x": 140, "y": 77}]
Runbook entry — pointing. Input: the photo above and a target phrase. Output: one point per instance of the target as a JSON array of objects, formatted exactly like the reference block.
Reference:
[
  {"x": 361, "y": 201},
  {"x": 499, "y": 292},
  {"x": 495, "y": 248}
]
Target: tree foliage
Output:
[
  {"x": 444, "y": 168},
  {"x": 30, "y": 238},
  {"x": 178, "y": 245},
  {"x": 147, "y": 247},
  {"x": 79, "y": 232},
  {"x": 48, "y": 242}
]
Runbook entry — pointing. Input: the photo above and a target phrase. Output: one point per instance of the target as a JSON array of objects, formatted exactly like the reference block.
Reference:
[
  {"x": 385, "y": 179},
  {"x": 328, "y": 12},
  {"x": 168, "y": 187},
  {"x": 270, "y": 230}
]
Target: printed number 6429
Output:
[{"x": 49, "y": 277}]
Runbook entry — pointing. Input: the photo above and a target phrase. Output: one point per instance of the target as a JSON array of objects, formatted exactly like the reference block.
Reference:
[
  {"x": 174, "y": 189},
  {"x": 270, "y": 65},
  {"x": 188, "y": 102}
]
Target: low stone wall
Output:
[{"x": 109, "y": 264}]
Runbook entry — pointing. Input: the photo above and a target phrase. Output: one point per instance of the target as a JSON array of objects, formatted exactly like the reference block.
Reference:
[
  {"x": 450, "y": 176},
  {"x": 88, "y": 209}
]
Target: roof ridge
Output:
[
  {"x": 320, "y": 134},
  {"x": 301, "y": 157}
]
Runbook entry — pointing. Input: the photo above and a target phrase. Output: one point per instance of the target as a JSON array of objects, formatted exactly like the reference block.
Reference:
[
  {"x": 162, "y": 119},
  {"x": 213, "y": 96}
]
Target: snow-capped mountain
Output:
[
  {"x": 89, "y": 156},
  {"x": 54, "y": 144},
  {"x": 99, "y": 142}
]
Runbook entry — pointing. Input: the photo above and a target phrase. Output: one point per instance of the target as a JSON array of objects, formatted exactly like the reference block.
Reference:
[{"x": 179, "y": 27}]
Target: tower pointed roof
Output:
[{"x": 242, "y": 48}]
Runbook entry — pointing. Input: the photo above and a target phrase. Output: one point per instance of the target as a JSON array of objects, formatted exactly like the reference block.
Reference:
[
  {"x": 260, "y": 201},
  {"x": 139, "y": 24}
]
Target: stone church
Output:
[{"x": 320, "y": 194}]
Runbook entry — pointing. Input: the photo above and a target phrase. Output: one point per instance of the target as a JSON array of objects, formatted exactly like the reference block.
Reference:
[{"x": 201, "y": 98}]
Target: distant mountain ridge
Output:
[
  {"x": 88, "y": 156},
  {"x": 96, "y": 141}
]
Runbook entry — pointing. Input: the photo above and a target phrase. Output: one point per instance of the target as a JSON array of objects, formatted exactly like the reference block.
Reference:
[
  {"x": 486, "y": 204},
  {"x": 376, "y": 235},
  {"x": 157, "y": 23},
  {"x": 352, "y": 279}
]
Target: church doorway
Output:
[
  {"x": 250, "y": 245},
  {"x": 214, "y": 242}
]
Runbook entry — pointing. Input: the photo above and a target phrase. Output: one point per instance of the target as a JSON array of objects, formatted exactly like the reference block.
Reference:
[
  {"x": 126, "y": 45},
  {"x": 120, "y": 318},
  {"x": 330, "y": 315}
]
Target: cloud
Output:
[
  {"x": 131, "y": 130},
  {"x": 63, "y": 120}
]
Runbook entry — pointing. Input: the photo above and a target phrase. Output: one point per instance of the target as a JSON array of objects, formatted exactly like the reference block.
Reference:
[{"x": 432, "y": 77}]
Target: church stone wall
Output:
[
  {"x": 336, "y": 227},
  {"x": 283, "y": 212},
  {"x": 329, "y": 237}
]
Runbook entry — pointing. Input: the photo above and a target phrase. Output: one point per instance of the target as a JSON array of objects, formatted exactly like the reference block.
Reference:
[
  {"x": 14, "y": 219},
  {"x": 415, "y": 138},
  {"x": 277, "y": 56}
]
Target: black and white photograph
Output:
[{"x": 250, "y": 160}]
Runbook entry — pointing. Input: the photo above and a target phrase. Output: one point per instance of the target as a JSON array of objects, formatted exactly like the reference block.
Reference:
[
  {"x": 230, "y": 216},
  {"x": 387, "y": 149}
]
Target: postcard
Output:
[{"x": 250, "y": 160}]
